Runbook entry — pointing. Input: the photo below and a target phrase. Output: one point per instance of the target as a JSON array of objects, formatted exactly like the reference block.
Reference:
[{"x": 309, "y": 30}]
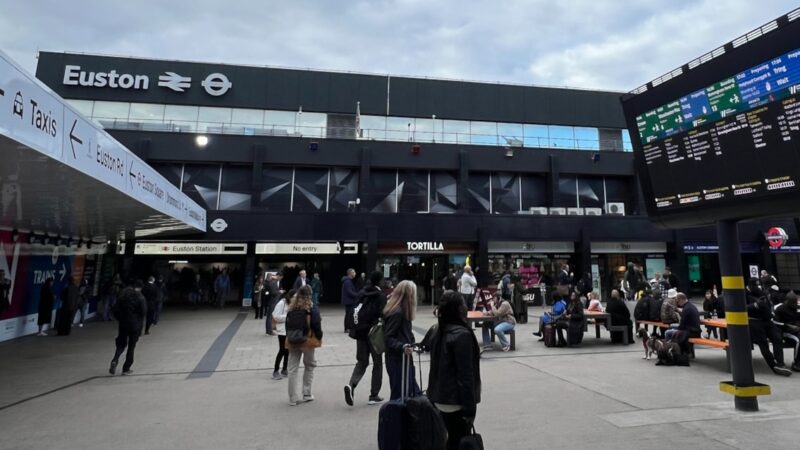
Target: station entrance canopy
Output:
[{"x": 62, "y": 174}]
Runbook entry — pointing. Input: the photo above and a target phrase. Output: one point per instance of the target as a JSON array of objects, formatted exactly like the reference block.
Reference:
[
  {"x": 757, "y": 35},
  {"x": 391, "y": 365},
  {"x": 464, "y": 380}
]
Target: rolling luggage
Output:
[
  {"x": 426, "y": 428},
  {"x": 392, "y": 418},
  {"x": 549, "y": 335}
]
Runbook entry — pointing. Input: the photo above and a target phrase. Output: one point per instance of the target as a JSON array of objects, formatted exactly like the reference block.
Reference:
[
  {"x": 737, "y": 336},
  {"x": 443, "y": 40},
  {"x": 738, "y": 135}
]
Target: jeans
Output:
[
  {"x": 82, "y": 310},
  {"x": 126, "y": 338},
  {"x": 363, "y": 353},
  {"x": 394, "y": 367},
  {"x": 309, "y": 363},
  {"x": 283, "y": 354},
  {"x": 500, "y": 330}
]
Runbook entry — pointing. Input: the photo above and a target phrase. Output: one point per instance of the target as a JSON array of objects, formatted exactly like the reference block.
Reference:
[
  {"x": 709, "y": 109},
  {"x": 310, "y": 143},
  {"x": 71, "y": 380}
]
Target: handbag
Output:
[
  {"x": 472, "y": 441},
  {"x": 376, "y": 337}
]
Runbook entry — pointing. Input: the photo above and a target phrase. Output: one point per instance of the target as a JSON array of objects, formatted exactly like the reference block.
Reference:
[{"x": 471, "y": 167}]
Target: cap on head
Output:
[{"x": 672, "y": 293}]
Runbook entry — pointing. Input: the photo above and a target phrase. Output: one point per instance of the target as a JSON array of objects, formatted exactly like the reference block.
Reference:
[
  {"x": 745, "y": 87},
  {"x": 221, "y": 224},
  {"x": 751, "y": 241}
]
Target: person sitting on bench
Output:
[
  {"x": 573, "y": 323},
  {"x": 558, "y": 309},
  {"x": 689, "y": 326},
  {"x": 501, "y": 310},
  {"x": 620, "y": 315},
  {"x": 669, "y": 309},
  {"x": 787, "y": 317},
  {"x": 763, "y": 331}
]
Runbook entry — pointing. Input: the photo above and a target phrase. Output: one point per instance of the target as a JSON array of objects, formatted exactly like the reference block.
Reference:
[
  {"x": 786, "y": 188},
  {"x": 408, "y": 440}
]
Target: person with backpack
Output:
[
  {"x": 371, "y": 301},
  {"x": 454, "y": 380},
  {"x": 303, "y": 337},
  {"x": 762, "y": 330},
  {"x": 278, "y": 320},
  {"x": 130, "y": 311},
  {"x": 400, "y": 311},
  {"x": 642, "y": 309}
]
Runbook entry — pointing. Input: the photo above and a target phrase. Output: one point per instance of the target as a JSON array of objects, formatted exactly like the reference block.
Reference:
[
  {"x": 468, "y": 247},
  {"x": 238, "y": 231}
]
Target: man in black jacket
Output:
[
  {"x": 689, "y": 325},
  {"x": 130, "y": 310},
  {"x": 787, "y": 317},
  {"x": 371, "y": 303},
  {"x": 762, "y": 330}
]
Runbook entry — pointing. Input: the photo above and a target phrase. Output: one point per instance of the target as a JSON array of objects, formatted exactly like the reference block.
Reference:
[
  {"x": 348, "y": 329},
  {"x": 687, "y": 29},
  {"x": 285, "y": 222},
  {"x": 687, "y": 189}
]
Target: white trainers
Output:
[{"x": 308, "y": 398}]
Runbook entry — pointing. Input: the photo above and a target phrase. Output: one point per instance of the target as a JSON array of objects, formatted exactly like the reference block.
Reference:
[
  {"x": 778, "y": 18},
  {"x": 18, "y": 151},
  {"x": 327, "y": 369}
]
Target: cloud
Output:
[{"x": 611, "y": 44}]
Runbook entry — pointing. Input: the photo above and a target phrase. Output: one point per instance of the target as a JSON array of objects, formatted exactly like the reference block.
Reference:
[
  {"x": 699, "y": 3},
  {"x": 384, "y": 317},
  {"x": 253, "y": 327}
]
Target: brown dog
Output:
[{"x": 651, "y": 343}]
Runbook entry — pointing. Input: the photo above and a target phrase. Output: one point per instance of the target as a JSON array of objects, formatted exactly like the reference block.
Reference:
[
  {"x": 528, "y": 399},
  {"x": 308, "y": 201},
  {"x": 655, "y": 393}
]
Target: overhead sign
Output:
[
  {"x": 34, "y": 116},
  {"x": 531, "y": 247},
  {"x": 189, "y": 248},
  {"x": 305, "y": 248},
  {"x": 215, "y": 84},
  {"x": 720, "y": 139},
  {"x": 629, "y": 247},
  {"x": 776, "y": 237}
]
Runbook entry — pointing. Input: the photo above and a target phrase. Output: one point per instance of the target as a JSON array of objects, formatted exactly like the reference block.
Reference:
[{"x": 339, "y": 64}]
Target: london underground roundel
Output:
[{"x": 776, "y": 237}]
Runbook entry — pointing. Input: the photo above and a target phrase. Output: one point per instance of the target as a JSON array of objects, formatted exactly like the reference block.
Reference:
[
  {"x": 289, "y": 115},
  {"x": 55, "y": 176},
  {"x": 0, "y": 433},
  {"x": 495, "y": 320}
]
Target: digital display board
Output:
[{"x": 722, "y": 140}]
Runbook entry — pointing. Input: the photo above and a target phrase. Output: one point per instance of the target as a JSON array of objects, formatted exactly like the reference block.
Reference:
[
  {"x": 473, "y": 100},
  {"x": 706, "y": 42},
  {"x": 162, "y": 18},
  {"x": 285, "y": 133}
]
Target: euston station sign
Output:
[{"x": 215, "y": 84}]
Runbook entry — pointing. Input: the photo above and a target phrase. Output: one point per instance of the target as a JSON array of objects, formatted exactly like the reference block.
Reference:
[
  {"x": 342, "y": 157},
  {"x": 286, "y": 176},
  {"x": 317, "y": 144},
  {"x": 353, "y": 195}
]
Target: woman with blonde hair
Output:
[
  {"x": 303, "y": 336},
  {"x": 400, "y": 311}
]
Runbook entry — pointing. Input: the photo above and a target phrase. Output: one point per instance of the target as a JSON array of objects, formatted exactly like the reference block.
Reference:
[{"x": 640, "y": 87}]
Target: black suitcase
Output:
[
  {"x": 64, "y": 321},
  {"x": 392, "y": 425}
]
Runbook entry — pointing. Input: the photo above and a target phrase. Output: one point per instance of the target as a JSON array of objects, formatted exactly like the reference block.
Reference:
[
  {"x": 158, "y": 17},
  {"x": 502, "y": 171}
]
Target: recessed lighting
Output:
[{"x": 201, "y": 141}]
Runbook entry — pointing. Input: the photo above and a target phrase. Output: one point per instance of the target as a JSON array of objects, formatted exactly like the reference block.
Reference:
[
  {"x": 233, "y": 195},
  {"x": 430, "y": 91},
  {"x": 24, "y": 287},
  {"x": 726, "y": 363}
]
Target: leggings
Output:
[{"x": 282, "y": 353}]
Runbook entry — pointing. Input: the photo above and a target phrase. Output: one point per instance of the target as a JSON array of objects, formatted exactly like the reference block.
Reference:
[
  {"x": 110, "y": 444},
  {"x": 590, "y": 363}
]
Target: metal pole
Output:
[{"x": 741, "y": 358}]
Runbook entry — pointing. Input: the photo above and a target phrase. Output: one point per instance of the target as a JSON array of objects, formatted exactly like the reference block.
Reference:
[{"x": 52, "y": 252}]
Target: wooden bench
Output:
[
  {"x": 713, "y": 343},
  {"x": 512, "y": 337},
  {"x": 656, "y": 325}
]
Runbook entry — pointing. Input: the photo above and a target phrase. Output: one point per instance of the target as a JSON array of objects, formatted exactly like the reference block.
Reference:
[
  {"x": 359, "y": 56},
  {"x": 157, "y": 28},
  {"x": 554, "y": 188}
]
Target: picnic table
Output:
[
  {"x": 478, "y": 317},
  {"x": 599, "y": 318}
]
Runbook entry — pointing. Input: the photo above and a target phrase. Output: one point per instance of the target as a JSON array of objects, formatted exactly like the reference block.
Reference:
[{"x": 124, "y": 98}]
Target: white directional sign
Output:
[{"x": 33, "y": 115}]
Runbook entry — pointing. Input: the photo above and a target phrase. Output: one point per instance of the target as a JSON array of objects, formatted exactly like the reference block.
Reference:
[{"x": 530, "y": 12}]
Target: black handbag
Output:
[{"x": 472, "y": 441}]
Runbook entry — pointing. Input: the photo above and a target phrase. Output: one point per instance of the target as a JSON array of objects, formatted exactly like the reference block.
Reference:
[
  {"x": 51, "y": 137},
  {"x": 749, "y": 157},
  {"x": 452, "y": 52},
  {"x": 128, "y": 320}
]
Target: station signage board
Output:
[
  {"x": 30, "y": 113},
  {"x": 306, "y": 248},
  {"x": 189, "y": 248}
]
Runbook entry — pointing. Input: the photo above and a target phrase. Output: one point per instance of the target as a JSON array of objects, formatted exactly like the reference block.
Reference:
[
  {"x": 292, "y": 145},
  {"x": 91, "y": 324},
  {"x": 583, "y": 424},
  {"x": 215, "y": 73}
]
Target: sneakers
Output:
[
  {"x": 308, "y": 398},
  {"x": 782, "y": 371},
  {"x": 506, "y": 348},
  {"x": 112, "y": 369},
  {"x": 80, "y": 325},
  {"x": 285, "y": 373},
  {"x": 292, "y": 403},
  {"x": 348, "y": 395},
  {"x": 276, "y": 375},
  {"x": 127, "y": 372},
  {"x": 537, "y": 334},
  {"x": 375, "y": 400}
]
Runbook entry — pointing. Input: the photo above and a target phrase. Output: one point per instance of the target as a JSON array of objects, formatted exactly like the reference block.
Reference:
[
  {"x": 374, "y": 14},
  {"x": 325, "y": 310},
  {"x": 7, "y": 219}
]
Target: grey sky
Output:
[{"x": 601, "y": 44}]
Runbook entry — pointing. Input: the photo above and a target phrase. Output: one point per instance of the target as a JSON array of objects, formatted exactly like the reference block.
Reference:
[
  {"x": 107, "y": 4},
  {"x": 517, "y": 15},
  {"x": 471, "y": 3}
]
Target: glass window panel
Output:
[
  {"x": 373, "y": 127},
  {"x": 511, "y": 134},
  {"x": 534, "y": 191},
  {"x": 505, "y": 193},
  {"x": 567, "y": 192},
  {"x": 561, "y": 137},
  {"x": 423, "y": 130},
  {"x": 399, "y": 129},
  {"x": 276, "y": 192},
  {"x": 590, "y": 192},
  {"x": 455, "y": 132},
  {"x": 536, "y": 136},
  {"x": 412, "y": 191},
  {"x": 201, "y": 183},
  {"x": 312, "y": 124},
  {"x": 587, "y": 138},
  {"x": 83, "y": 106},
  {"x": 280, "y": 123},
  {"x": 213, "y": 120},
  {"x": 444, "y": 192},
  {"x": 172, "y": 172},
  {"x": 237, "y": 188},
  {"x": 111, "y": 110},
  {"x": 181, "y": 118},
  {"x": 310, "y": 189},
  {"x": 149, "y": 112},
  {"x": 621, "y": 190},
  {"x": 381, "y": 192},
  {"x": 478, "y": 193},
  {"x": 344, "y": 189},
  {"x": 484, "y": 133},
  {"x": 241, "y": 116},
  {"x": 626, "y": 141}
]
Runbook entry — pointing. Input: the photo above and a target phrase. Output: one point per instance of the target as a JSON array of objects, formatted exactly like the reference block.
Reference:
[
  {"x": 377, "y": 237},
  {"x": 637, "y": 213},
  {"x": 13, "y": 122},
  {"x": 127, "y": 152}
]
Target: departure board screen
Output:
[{"x": 717, "y": 143}]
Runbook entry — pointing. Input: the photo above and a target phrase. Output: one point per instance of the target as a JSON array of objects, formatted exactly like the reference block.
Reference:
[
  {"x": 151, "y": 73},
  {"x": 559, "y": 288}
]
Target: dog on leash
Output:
[{"x": 652, "y": 344}]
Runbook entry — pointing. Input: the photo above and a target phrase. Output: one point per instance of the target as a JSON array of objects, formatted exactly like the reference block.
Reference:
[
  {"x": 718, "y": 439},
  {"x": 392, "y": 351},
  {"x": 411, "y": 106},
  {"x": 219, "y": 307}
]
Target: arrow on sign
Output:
[
  {"x": 132, "y": 175},
  {"x": 63, "y": 271},
  {"x": 73, "y": 139}
]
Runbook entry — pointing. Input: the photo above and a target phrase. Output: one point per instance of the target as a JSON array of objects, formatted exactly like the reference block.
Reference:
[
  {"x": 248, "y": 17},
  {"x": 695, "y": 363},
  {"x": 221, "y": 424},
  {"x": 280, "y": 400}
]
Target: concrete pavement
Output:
[{"x": 55, "y": 393}]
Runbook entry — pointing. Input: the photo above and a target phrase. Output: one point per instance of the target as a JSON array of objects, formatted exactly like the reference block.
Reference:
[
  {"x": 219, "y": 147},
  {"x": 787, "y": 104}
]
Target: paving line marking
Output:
[{"x": 210, "y": 361}]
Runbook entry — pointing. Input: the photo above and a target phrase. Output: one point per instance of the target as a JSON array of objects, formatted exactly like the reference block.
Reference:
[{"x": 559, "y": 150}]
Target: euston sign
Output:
[{"x": 215, "y": 84}]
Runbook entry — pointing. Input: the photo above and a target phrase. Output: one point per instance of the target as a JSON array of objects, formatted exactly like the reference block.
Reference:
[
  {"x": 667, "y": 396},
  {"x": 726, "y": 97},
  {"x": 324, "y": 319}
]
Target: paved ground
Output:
[{"x": 191, "y": 390}]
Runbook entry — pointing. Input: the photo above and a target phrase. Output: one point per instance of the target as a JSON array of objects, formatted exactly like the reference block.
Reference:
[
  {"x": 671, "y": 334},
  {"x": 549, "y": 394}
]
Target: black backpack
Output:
[
  {"x": 655, "y": 309},
  {"x": 642, "y": 309},
  {"x": 297, "y": 326}
]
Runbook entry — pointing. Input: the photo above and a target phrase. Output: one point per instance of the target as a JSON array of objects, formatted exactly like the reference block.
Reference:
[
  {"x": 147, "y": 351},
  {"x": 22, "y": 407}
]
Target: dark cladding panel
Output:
[
  {"x": 313, "y": 91},
  {"x": 510, "y": 103},
  {"x": 343, "y": 93},
  {"x": 403, "y": 97},
  {"x": 430, "y": 98},
  {"x": 277, "y": 189},
  {"x": 537, "y": 105},
  {"x": 310, "y": 189},
  {"x": 201, "y": 184},
  {"x": 236, "y": 188},
  {"x": 561, "y": 107},
  {"x": 455, "y": 100},
  {"x": 283, "y": 87},
  {"x": 343, "y": 188}
]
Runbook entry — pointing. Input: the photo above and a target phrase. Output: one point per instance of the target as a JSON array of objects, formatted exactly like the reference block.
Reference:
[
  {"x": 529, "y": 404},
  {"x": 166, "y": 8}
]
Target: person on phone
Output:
[
  {"x": 502, "y": 312},
  {"x": 454, "y": 381}
]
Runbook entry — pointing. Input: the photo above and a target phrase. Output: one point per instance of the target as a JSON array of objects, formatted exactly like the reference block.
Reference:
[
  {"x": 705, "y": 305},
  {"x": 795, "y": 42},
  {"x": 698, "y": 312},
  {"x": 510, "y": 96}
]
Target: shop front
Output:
[
  {"x": 533, "y": 264},
  {"x": 424, "y": 262},
  {"x": 702, "y": 260},
  {"x": 193, "y": 267},
  {"x": 329, "y": 259},
  {"x": 610, "y": 259}
]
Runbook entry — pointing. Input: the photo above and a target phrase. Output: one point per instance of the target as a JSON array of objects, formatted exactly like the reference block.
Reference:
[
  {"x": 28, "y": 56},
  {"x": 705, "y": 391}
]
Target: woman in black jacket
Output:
[
  {"x": 573, "y": 323},
  {"x": 454, "y": 383},
  {"x": 45, "y": 305},
  {"x": 400, "y": 310},
  {"x": 620, "y": 315}
]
